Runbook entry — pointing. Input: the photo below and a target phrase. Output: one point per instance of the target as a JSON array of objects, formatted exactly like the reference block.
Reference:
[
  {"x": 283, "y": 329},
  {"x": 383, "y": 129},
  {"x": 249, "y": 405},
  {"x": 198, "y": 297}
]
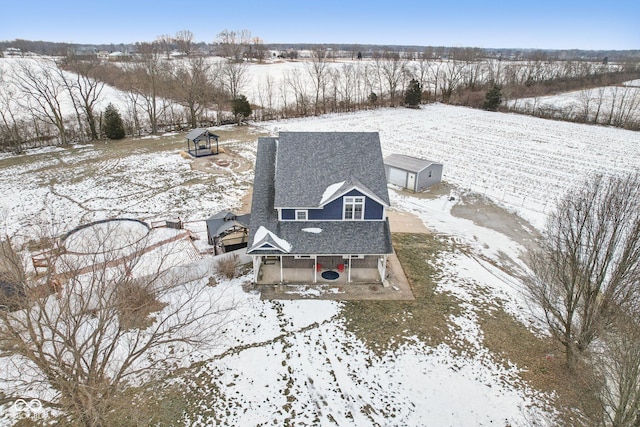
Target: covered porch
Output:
[{"x": 334, "y": 269}]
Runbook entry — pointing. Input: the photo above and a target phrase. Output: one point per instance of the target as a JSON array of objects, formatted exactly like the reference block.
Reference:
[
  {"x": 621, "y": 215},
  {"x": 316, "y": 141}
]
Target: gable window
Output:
[
  {"x": 353, "y": 208},
  {"x": 301, "y": 215}
]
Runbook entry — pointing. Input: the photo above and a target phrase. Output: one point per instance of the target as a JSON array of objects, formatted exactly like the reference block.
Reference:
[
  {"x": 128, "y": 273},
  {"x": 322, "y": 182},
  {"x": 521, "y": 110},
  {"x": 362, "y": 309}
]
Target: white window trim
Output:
[
  {"x": 352, "y": 200},
  {"x": 301, "y": 211}
]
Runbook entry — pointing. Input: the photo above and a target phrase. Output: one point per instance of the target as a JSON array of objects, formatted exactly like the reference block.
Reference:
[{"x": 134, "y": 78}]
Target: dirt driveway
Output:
[{"x": 474, "y": 207}]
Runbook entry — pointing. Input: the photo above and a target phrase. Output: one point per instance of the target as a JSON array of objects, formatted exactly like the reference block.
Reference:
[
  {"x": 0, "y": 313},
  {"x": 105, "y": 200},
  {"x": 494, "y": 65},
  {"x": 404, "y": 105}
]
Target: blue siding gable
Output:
[
  {"x": 333, "y": 210},
  {"x": 288, "y": 214}
]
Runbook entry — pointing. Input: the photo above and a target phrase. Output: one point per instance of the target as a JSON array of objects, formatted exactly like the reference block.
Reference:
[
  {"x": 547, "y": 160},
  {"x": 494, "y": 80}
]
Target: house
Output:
[
  {"x": 118, "y": 56},
  {"x": 319, "y": 209},
  {"x": 411, "y": 172},
  {"x": 12, "y": 51},
  {"x": 201, "y": 140},
  {"x": 227, "y": 231}
]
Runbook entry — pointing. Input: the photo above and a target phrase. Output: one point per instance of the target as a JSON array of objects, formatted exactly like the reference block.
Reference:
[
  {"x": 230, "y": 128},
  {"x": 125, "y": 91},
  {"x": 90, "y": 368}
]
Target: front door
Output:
[{"x": 411, "y": 181}]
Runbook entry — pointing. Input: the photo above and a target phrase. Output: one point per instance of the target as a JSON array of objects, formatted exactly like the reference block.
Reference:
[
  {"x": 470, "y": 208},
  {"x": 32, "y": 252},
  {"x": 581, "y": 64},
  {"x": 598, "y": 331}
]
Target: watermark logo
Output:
[{"x": 29, "y": 408}]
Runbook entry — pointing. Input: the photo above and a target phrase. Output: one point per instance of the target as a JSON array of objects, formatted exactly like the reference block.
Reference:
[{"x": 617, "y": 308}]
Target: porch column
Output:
[
  {"x": 383, "y": 273},
  {"x": 256, "y": 267},
  {"x": 315, "y": 268},
  {"x": 349, "y": 269},
  {"x": 281, "y": 272}
]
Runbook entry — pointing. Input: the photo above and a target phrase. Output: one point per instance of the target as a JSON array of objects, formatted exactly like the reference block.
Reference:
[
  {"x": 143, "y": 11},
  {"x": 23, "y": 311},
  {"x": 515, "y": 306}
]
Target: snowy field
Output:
[
  {"x": 522, "y": 162},
  {"x": 297, "y": 362},
  {"x": 617, "y": 105}
]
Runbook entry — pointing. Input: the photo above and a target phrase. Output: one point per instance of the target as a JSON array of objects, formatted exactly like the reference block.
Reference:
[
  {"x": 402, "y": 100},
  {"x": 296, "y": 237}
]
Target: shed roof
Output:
[{"x": 408, "y": 163}]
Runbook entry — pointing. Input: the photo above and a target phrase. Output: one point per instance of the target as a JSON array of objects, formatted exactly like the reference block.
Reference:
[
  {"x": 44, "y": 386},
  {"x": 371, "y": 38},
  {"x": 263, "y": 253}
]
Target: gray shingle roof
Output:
[
  {"x": 225, "y": 220},
  {"x": 408, "y": 163},
  {"x": 336, "y": 237},
  {"x": 199, "y": 133},
  {"x": 262, "y": 211},
  {"x": 308, "y": 162}
]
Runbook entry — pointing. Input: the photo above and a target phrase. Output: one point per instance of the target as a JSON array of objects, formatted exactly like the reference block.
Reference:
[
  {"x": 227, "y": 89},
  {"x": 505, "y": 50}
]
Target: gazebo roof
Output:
[{"x": 199, "y": 133}]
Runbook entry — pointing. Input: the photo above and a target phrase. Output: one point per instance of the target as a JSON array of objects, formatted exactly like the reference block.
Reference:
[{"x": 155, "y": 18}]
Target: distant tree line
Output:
[{"x": 200, "y": 90}]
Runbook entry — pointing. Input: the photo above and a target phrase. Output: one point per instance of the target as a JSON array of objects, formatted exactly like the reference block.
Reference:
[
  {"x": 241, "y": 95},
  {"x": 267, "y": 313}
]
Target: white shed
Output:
[{"x": 411, "y": 172}]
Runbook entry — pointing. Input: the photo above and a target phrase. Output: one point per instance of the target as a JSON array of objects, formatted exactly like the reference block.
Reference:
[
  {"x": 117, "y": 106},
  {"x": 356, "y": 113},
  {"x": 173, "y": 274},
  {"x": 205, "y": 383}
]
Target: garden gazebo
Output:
[{"x": 201, "y": 140}]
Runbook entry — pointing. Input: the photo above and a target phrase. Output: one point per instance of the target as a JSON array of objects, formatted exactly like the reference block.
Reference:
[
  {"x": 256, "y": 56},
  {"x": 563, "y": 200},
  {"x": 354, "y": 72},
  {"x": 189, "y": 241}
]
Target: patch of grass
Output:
[
  {"x": 384, "y": 325},
  {"x": 157, "y": 403},
  {"x": 228, "y": 266},
  {"x": 540, "y": 359}
]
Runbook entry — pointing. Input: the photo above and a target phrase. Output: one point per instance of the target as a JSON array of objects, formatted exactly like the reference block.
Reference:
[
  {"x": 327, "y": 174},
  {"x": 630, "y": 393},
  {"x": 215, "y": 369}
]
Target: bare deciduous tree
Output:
[
  {"x": 165, "y": 42},
  {"x": 298, "y": 84},
  {"x": 184, "y": 40},
  {"x": 235, "y": 77},
  {"x": 618, "y": 367},
  {"x": 194, "y": 86},
  {"x": 146, "y": 81},
  {"x": 318, "y": 69},
  {"x": 229, "y": 46},
  {"x": 12, "y": 132},
  {"x": 589, "y": 263},
  {"x": 41, "y": 92},
  {"x": 85, "y": 89},
  {"x": 101, "y": 322},
  {"x": 391, "y": 67}
]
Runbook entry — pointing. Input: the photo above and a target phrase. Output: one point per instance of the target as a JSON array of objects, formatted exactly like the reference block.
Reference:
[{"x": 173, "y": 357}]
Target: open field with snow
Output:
[
  {"x": 617, "y": 105},
  {"x": 436, "y": 361}
]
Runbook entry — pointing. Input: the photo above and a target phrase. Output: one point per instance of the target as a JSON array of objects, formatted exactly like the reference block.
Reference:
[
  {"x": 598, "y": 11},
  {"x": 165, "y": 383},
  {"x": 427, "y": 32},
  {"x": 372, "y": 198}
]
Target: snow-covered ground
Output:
[
  {"x": 297, "y": 361},
  {"x": 15, "y": 70},
  {"x": 617, "y": 105},
  {"x": 522, "y": 162}
]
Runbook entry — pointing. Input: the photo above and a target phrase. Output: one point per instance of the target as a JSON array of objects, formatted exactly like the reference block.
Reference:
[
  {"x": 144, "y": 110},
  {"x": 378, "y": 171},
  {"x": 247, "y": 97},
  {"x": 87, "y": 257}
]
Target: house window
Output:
[
  {"x": 353, "y": 208},
  {"x": 301, "y": 215}
]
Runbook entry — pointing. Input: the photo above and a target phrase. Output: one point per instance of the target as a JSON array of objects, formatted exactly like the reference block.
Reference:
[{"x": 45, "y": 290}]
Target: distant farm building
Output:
[
  {"x": 12, "y": 51},
  {"x": 199, "y": 143},
  {"x": 412, "y": 173}
]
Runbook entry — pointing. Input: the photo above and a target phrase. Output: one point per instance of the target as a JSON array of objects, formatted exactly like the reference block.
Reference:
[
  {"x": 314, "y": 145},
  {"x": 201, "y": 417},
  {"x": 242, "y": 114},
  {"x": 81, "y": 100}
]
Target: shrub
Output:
[
  {"x": 227, "y": 266},
  {"x": 136, "y": 300}
]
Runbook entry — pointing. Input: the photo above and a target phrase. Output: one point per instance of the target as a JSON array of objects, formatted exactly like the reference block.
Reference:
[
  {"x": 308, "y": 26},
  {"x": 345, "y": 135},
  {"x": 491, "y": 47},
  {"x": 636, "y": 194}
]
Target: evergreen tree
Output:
[
  {"x": 413, "y": 94},
  {"x": 493, "y": 98},
  {"x": 112, "y": 127},
  {"x": 373, "y": 98},
  {"x": 241, "y": 108}
]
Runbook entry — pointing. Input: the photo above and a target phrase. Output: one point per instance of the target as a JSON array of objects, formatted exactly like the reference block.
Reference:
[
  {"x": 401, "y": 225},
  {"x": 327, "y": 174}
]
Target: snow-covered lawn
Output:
[{"x": 298, "y": 362}]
